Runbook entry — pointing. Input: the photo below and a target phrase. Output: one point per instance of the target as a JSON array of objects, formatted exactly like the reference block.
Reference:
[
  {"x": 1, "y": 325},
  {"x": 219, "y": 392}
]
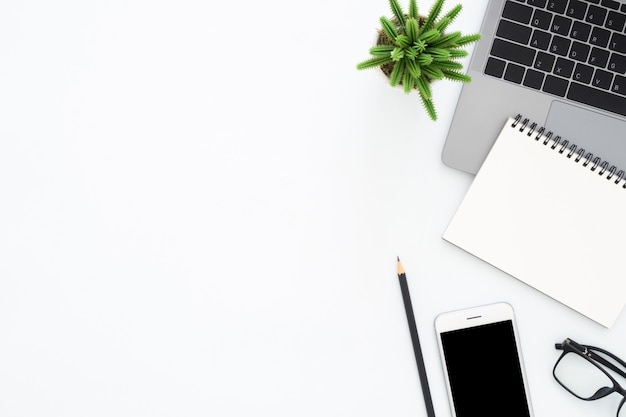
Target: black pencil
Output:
[{"x": 417, "y": 348}]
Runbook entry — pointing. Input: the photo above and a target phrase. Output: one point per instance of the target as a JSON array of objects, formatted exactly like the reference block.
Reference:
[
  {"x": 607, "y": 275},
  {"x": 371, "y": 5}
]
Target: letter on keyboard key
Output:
[
  {"x": 561, "y": 25},
  {"x": 618, "y": 43},
  {"x": 598, "y": 57},
  {"x": 597, "y": 98},
  {"x": 540, "y": 40},
  {"x": 617, "y": 63},
  {"x": 602, "y": 79},
  {"x": 580, "y": 31},
  {"x": 619, "y": 85},
  {"x": 544, "y": 61},
  {"x": 560, "y": 45},
  {"x": 541, "y": 19},
  {"x": 512, "y": 52},
  {"x": 583, "y": 73},
  {"x": 599, "y": 37},
  {"x": 579, "y": 51},
  {"x": 564, "y": 67}
]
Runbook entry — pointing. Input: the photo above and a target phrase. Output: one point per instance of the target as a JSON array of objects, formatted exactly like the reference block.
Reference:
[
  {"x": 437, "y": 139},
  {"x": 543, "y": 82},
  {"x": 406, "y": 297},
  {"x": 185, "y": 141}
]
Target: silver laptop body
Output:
[{"x": 589, "y": 113}]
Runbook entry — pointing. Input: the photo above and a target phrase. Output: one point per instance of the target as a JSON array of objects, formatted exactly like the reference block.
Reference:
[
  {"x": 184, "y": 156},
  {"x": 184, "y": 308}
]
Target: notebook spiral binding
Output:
[{"x": 573, "y": 150}]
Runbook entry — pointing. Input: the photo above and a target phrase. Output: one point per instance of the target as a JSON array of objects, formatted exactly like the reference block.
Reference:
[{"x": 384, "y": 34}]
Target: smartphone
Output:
[{"x": 482, "y": 361}]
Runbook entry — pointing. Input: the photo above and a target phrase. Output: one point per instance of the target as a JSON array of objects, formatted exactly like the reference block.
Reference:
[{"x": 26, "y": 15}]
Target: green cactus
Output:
[{"x": 413, "y": 51}]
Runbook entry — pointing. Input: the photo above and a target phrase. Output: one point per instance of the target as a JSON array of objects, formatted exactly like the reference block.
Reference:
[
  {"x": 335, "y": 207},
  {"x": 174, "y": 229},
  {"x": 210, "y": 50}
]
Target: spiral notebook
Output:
[{"x": 551, "y": 215}]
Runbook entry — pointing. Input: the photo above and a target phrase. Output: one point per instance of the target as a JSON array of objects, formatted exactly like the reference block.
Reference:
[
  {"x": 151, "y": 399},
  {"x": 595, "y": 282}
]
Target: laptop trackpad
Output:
[{"x": 596, "y": 133}]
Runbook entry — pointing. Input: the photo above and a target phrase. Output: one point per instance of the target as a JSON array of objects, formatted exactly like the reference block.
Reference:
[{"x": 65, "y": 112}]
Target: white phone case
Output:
[{"x": 472, "y": 317}]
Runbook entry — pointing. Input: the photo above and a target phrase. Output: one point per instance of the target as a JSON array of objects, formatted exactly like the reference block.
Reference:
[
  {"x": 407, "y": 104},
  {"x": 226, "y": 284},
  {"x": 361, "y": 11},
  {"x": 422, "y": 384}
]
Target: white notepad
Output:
[{"x": 554, "y": 222}]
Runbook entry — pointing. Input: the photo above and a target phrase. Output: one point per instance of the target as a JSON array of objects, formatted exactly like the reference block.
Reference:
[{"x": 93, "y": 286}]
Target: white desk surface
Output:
[{"x": 202, "y": 205}]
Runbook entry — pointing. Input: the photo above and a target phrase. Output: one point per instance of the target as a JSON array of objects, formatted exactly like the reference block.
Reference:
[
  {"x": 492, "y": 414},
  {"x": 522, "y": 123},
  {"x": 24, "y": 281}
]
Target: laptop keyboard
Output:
[{"x": 568, "y": 48}]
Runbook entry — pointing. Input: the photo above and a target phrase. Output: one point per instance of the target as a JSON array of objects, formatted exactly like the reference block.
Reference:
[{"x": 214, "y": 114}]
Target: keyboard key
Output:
[
  {"x": 518, "y": 12},
  {"x": 615, "y": 21},
  {"x": 576, "y": 9},
  {"x": 618, "y": 43},
  {"x": 579, "y": 51},
  {"x": 533, "y": 79},
  {"x": 619, "y": 85},
  {"x": 596, "y": 15},
  {"x": 512, "y": 52},
  {"x": 555, "y": 85},
  {"x": 600, "y": 37},
  {"x": 538, "y": 3},
  {"x": 597, "y": 98},
  {"x": 583, "y": 73},
  {"x": 514, "y": 31},
  {"x": 617, "y": 63},
  {"x": 623, "y": 8},
  {"x": 495, "y": 67},
  {"x": 561, "y": 25},
  {"x": 563, "y": 67},
  {"x": 540, "y": 40},
  {"x": 514, "y": 73},
  {"x": 599, "y": 57},
  {"x": 541, "y": 19},
  {"x": 544, "y": 61},
  {"x": 610, "y": 3},
  {"x": 580, "y": 31},
  {"x": 560, "y": 45},
  {"x": 602, "y": 79},
  {"x": 557, "y": 6}
]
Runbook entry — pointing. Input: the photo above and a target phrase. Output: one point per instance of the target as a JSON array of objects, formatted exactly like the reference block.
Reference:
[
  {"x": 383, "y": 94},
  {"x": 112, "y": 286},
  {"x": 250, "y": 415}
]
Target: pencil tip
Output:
[
  {"x": 398, "y": 258},
  {"x": 400, "y": 268}
]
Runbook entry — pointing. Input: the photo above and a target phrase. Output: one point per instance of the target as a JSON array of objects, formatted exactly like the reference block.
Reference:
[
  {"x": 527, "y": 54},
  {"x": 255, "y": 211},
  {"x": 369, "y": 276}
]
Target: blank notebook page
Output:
[{"x": 548, "y": 221}]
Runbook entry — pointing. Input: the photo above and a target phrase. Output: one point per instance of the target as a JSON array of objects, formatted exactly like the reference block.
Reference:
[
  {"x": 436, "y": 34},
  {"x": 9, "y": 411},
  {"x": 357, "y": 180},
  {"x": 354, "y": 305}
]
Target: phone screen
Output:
[{"x": 484, "y": 371}]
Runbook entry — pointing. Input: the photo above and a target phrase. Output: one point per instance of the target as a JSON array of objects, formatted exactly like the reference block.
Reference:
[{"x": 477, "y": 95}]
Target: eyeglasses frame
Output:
[{"x": 590, "y": 354}]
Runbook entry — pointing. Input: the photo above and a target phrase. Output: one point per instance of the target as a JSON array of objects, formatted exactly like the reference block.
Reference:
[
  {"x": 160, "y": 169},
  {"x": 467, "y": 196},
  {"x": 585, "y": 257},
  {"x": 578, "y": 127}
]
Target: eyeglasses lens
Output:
[{"x": 581, "y": 377}]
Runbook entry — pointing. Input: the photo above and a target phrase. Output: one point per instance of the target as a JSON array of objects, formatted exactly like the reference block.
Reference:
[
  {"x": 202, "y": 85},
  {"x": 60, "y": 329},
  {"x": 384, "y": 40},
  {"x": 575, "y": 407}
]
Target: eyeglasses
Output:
[{"x": 581, "y": 370}]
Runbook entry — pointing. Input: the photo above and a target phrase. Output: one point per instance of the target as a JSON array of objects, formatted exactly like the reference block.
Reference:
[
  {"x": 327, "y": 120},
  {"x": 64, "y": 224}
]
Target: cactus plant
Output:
[{"x": 413, "y": 50}]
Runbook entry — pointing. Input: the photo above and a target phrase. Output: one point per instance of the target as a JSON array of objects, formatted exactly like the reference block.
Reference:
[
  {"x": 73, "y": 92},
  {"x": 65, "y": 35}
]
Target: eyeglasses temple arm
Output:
[
  {"x": 609, "y": 354},
  {"x": 597, "y": 358},
  {"x": 606, "y": 363}
]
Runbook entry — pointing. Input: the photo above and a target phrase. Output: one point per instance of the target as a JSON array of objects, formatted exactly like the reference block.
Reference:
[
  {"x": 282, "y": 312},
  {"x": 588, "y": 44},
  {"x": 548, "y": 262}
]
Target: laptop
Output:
[{"x": 559, "y": 63}]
